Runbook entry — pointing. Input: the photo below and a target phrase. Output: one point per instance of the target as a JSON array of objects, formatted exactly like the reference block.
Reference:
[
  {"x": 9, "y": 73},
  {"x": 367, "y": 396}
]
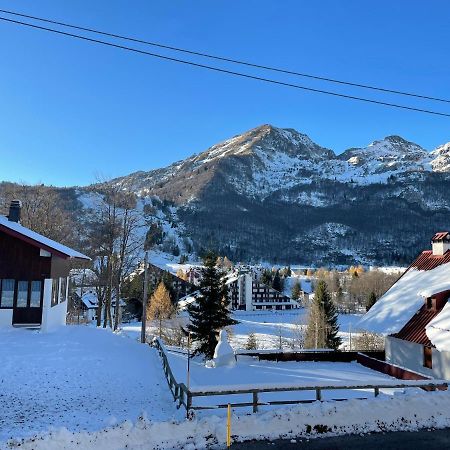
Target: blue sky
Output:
[{"x": 72, "y": 111}]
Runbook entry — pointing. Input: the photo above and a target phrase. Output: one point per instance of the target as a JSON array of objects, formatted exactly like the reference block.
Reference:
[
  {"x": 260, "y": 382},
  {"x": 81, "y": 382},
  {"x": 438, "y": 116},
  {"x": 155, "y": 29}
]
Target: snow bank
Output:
[
  {"x": 406, "y": 412},
  {"x": 395, "y": 308}
]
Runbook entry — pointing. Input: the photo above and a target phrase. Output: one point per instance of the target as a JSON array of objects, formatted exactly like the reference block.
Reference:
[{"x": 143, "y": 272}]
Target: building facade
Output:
[
  {"x": 34, "y": 274},
  {"x": 247, "y": 293}
]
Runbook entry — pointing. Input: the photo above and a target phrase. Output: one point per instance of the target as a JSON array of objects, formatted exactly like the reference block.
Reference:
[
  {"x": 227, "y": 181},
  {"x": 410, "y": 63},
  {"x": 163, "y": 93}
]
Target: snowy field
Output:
[
  {"x": 269, "y": 328},
  {"x": 87, "y": 388},
  {"x": 250, "y": 373},
  {"x": 78, "y": 377}
]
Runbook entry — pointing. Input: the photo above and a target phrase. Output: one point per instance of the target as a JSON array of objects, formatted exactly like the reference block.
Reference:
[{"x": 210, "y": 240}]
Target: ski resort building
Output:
[
  {"x": 414, "y": 314},
  {"x": 246, "y": 293},
  {"x": 34, "y": 274}
]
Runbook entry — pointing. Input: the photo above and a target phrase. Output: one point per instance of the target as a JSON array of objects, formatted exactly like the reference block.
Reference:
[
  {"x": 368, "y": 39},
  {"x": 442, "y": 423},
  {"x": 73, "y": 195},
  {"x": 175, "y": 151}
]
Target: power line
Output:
[
  {"x": 231, "y": 60},
  {"x": 230, "y": 72}
]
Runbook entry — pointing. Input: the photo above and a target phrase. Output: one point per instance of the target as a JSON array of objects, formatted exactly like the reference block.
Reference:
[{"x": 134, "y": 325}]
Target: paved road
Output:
[{"x": 427, "y": 440}]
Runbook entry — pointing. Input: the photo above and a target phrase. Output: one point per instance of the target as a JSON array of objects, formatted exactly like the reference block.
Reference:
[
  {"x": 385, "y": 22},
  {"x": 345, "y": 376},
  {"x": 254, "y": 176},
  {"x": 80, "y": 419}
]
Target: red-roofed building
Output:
[
  {"x": 34, "y": 274},
  {"x": 414, "y": 314}
]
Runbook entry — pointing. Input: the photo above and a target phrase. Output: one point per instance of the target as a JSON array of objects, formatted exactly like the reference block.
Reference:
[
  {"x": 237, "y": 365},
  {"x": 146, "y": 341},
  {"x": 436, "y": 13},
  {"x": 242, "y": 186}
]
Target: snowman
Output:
[{"x": 224, "y": 354}]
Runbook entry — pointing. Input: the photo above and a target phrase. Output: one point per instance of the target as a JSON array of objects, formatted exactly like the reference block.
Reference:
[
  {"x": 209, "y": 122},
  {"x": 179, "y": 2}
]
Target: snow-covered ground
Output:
[
  {"x": 250, "y": 373},
  {"x": 269, "y": 326},
  {"x": 78, "y": 377},
  {"x": 405, "y": 412},
  {"x": 88, "y": 388}
]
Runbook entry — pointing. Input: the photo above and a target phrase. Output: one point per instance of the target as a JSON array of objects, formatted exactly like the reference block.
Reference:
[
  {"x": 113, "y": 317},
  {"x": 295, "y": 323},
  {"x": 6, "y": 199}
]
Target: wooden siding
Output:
[{"x": 22, "y": 261}]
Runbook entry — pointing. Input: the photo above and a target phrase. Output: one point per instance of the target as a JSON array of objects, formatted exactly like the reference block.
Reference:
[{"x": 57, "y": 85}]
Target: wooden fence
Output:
[{"x": 184, "y": 396}]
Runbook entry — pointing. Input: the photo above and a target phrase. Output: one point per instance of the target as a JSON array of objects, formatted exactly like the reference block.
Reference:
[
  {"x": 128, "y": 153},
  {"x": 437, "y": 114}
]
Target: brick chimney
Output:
[
  {"x": 440, "y": 243},
  {"x": 14, "y": 211}
]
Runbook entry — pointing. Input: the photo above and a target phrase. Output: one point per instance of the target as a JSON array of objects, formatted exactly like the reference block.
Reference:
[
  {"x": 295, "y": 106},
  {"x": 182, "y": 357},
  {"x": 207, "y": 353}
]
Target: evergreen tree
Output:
[
  {"x": 371, "y": 300},
  {"x": 252, "y": 343},
  {"x": 323, "y": 325},
  {"x": 266, "y": 277},
  {"x": 210, "y": 313},
  {"x": 296, "y": 291},
  {"x": 277, "y": 284}
]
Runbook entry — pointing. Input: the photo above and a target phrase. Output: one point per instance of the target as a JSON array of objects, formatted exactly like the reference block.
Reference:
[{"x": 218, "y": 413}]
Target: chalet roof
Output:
[
  {"x": 25, "y": 234},
  {"x": 427, "y": 261},
  {"x": 90, "y": 300},
  {"x": 404, "y": 299},
  {"x": 414, "y": 330}
]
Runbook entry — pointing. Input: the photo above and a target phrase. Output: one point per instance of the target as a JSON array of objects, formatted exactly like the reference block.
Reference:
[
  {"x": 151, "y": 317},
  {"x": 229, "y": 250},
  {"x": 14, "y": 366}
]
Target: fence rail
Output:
[{"x": 184, "y": 396}]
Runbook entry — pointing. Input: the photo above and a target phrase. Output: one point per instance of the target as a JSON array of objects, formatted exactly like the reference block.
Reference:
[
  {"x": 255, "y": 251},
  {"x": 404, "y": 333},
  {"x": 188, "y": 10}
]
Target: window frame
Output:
[
  {"x": 27, "y": 293},
  {"x": 40, "y": 293},
  {"x": 1, "y": 293},
  {"x": 55, "y": 289}
]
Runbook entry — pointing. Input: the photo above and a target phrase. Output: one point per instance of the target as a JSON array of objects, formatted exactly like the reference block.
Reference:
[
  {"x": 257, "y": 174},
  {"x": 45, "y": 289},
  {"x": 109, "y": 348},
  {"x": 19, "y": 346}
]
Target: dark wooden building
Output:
[{"x": 34, "y": 274}]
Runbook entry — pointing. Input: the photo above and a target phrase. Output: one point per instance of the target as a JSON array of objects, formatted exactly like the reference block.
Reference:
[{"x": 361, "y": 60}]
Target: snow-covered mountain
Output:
[
  {"x": 266, "y": 160},
  {"x": 273, "y": 194}
]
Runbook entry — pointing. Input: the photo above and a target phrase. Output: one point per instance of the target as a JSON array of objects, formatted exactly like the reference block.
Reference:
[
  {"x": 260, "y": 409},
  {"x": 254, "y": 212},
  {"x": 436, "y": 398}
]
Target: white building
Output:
[
  {"x": 414, "y": 314},
  {"x": 247, "y": 293}
]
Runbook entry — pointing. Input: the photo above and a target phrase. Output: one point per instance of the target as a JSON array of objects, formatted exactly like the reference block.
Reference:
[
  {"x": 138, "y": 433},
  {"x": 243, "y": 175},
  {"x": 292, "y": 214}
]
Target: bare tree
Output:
[
  {"x": 43, "y": 210},
  {"x": 116, "y": 241}
]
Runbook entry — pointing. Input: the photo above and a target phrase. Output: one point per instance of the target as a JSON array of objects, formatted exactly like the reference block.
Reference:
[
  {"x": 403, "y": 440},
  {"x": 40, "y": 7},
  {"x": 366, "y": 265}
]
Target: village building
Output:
[
  {"x": 34, "y": 273},
  {"x": 245, "y": 292},
  {"x": 88, "y": 306},
  {"x": 414, "y": 314}
]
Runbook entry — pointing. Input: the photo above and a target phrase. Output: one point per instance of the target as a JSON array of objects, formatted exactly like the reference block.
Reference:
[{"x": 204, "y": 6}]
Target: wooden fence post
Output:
[
  {"x": 188, "y": 402},
  {"x": 318, "y": 394},
  {"x": 255, "y": 401}
]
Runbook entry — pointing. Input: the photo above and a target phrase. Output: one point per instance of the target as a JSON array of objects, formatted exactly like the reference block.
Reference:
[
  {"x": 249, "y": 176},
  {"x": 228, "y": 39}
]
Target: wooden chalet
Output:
[
  {"x": 414, "y": 314},
  {"x": 34, "y": 274}
]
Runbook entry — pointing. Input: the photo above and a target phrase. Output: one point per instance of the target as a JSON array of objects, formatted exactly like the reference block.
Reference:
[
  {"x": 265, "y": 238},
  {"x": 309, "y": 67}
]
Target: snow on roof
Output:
[
  {"x": 90, "y": 300},
  {"x": 438, "y": 329},
  {"x": 185, "y": 301},
  {"x": 39, "y": 240},
  {"x": 232, "y": 279},
  {"x": 396, "y": 307},
  {"x": 306, "y": 285}
]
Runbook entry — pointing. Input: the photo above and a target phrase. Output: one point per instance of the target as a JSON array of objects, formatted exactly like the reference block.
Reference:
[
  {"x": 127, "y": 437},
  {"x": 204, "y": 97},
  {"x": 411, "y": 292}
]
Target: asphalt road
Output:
[{"x": 429, "y": 440}]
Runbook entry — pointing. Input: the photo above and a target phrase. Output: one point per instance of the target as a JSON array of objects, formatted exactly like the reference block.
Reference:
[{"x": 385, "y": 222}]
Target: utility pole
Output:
[
  {"x": 350, "y": 334},
  {"x": 144, "y": 300}
]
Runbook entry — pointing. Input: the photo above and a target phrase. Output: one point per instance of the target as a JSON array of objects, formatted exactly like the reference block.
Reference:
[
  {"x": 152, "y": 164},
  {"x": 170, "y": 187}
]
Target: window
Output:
[
  {"x": 35, "y": 297},
  {"x": 428, "y": 357},
  {"x": 7, "y": 296},
  {"x": 55, "y": 291},
  {"x": 62, "y": 290},
  {"x": 22, "y": 294}
]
